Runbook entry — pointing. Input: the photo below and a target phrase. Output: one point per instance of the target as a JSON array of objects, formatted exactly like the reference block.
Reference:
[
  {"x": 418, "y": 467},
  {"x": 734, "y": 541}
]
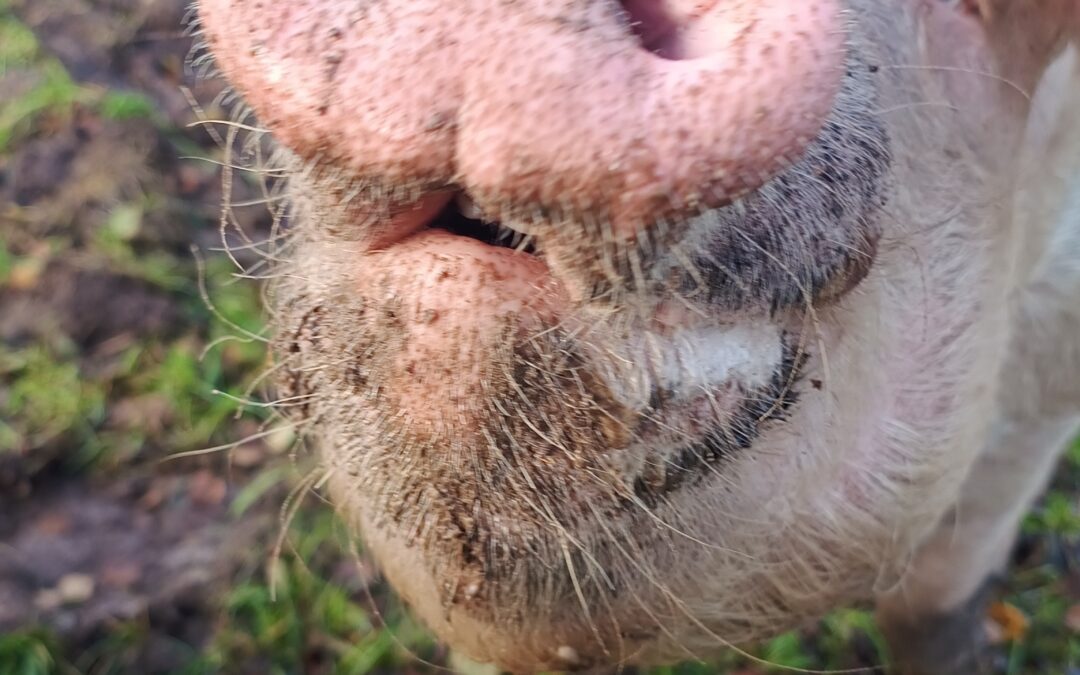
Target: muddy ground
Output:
[{"x": 119, "y": 553}]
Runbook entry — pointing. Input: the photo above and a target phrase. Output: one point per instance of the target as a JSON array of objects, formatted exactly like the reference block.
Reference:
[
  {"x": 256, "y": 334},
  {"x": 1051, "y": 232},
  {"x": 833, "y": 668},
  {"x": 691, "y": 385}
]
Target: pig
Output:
[{"x": 630, "y": 331}]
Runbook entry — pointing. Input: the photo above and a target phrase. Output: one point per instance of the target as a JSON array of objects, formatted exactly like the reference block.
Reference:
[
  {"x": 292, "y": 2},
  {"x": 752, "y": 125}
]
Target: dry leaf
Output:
[
  {"x": 120, "y": 574},
  {"x": 1010, "y": 621},
  {"x": 54, "y": 523}
]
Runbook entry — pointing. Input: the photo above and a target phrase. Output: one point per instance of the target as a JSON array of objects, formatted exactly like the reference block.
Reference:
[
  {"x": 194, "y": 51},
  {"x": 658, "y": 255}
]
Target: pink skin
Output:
[
  {"x": 457, "y": 293},
  {"x": 548, "y": 102},
  {"x": 557, "y": 103}
]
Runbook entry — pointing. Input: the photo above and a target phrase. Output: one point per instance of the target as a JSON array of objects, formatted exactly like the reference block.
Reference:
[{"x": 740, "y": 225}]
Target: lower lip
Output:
[{"x": 455, "y": 299}]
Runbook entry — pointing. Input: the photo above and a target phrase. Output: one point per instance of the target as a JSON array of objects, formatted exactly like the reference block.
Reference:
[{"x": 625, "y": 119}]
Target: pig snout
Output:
[
  {"x": 690, "y": 177},
  {"x": 628, "y": 112}
]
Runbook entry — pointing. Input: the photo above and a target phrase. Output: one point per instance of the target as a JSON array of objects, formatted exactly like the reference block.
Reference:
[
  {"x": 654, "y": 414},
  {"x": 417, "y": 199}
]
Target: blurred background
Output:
[{"x": 153, "y": 516}]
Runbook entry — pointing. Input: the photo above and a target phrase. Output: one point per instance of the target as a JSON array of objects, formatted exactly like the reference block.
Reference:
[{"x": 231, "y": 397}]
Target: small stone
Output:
[
  {"x": 568, "y": 655},
  {"x": 248, "y": 455},
  {"x": 992, "y": 632},
  {"x": 459, "y": 663},
  {"x": 75, "y": 589},
  {"x": 282, "y": 440}
]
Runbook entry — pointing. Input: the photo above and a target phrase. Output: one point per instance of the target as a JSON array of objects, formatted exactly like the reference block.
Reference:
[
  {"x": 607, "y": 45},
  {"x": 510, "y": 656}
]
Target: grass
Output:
[
  {"x": 307, "y": 617},
  {"x": 51, "y": 398},
  {"x": 46, "y": 397},
  {"x": 304, "y": 617},
  {"x": 53, "y": 91},
  {"x": 29, "y": 652}
]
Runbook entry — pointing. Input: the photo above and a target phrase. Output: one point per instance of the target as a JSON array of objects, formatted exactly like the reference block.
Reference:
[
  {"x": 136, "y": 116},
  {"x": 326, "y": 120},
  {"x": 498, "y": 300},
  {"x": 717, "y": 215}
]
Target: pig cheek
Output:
[
  {"x": 956, "y": 46},
  {"x": 460, "y": 307}
]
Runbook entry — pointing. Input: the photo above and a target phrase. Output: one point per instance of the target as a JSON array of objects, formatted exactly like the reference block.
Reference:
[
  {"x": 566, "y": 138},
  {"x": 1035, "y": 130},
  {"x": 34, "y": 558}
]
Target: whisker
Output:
[{"x": 967, "y": 71}]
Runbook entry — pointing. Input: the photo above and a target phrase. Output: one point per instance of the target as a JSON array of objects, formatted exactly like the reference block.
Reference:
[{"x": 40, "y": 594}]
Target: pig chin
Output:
[{"x": 550, "y": 526}]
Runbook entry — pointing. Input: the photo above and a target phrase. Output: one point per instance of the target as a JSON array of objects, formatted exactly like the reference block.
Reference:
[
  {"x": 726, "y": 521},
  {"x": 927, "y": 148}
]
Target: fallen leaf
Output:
[
  {"x": 1011, "y": 622},
  {"x": 54, "y": 523},
  {"x": 25, "y": 274},
  {"x": 152, "y": 498},
  {"x": 120, "y": 573}
]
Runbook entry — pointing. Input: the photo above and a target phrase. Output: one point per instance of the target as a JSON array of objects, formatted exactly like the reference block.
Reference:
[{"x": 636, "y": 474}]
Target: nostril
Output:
[
  {"x": 673, "y": 29},
  {"x": 652, "y": 23}
]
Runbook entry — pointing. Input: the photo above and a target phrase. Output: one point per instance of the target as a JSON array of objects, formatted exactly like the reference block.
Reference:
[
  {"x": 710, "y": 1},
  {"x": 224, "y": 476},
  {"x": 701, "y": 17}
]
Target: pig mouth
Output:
[
  {"x": 486, "y": 387},
  {"x": 460, "y": 217},
  {"x": 533, "y": 350},
  {"x": 483, "y": 394},
  {"x": 454, "y": 382}
]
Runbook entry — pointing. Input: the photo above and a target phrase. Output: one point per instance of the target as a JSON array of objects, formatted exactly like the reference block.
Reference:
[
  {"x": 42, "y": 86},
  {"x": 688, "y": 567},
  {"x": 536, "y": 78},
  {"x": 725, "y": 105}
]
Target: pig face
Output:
[{"x": 632, "y": 330}]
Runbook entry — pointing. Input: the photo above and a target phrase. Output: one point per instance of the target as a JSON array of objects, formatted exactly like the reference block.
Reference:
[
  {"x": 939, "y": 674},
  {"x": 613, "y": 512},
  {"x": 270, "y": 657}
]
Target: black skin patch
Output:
[
  {"x": 759, "y": 408},
  {"x": 810, "y": 235}
]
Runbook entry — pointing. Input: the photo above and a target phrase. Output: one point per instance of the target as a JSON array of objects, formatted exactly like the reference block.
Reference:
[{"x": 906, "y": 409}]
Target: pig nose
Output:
[
  {"x": 647, "y": 108},
  {"x": 623, "y": 112}
]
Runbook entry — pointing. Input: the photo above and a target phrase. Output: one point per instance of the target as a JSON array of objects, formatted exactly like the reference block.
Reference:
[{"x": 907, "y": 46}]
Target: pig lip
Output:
[{"x": 461, "y": 218}]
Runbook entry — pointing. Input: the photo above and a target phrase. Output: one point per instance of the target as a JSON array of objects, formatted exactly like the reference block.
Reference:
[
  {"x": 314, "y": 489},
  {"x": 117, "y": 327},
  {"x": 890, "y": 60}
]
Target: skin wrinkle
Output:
[{"x": 528, "y": 510}]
